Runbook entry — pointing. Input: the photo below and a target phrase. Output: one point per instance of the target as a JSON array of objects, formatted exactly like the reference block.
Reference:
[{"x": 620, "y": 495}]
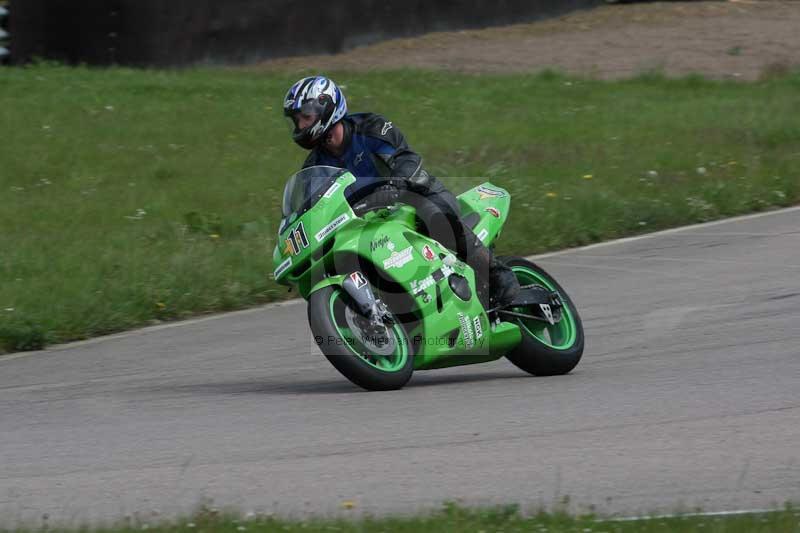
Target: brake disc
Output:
[{"x": 376, "y": 338}]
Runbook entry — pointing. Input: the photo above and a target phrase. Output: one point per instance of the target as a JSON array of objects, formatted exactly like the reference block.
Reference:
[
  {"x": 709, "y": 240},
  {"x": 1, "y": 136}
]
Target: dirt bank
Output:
[{"x": 734, "y": 39}]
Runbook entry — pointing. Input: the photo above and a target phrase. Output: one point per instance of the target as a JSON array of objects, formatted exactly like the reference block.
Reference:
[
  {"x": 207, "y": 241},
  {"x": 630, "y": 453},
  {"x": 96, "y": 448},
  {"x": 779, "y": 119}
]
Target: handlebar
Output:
[
  {"x": 369, "y": 204},
  {"x": 362, "y": 208}
]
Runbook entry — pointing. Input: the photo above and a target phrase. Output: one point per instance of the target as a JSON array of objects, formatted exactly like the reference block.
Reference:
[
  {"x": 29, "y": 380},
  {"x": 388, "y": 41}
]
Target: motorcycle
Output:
[{"x": 384, "y": 300}]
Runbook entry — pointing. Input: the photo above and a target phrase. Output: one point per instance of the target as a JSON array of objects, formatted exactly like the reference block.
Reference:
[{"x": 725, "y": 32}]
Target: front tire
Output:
[
  {"x": 376, "y": 362},
  {"x": 545, "y": 350}
]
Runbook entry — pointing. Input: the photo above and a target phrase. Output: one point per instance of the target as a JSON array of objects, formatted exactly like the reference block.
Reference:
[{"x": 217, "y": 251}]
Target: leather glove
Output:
[
  {"x": 421, "y": 181},
  {"x": 385, "y": 195}
]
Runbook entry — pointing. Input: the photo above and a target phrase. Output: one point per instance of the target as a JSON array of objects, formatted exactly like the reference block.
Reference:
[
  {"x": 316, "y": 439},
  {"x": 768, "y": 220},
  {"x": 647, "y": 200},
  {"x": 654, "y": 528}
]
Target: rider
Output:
[{"x": 372, "y": 148}]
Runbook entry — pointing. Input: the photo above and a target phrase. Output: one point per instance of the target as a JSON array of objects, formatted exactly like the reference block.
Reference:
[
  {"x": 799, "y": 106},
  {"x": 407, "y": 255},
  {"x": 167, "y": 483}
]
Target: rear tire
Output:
[
  {"x": 378, "y": 366},
  {"x": 546, "y": 350}
]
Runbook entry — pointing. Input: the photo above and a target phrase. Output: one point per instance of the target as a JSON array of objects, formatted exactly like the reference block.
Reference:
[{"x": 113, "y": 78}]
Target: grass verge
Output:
[
  {"x": 132, "y": 197},
  {"x": 505, "y": 519}
]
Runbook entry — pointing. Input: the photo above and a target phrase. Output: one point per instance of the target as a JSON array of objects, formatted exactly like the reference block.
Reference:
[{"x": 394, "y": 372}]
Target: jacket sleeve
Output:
[{"x": 402, "y": 161}]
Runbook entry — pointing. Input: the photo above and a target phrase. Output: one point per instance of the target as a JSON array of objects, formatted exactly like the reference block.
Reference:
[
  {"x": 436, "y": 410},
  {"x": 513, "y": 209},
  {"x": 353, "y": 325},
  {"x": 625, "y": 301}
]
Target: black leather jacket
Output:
[{"x": 374, "y": 147}]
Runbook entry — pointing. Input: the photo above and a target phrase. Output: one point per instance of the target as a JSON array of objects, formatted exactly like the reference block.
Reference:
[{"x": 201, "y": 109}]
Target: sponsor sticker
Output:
[
  {"x": 386, "y": 127},
  {"x": 332, "y": 189},
  {"x": 296, "y": 242},
  {"x": 398, "y": 259},
  {"x": 483, "y": 234},
  {"x": 422, "y": 284},
  {"x": 494, "y": 212},
  {"x": 487, "y": 192},
  {"x": 327, "y": 230},
  {"x": 358, "y": 279},
  {"x": 427, "y": 253},
  {"x": 466, "y": 330},
  {"x": 379, "y": 243},
  {"x": 283, "y": 267},
  {"x": 478, "y": 328}
]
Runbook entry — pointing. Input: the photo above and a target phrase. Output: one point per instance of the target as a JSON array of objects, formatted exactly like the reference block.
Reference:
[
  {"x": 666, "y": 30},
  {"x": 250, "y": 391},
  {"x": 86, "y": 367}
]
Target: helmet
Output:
[{"x": 316, "y": 97}]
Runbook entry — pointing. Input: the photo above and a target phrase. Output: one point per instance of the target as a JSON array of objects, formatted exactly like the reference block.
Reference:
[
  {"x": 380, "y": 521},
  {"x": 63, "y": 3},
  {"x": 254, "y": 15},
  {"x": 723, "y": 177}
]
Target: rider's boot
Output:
[
  {"x": 497, "y": 286},
  {"x": 504, "y": 284}
]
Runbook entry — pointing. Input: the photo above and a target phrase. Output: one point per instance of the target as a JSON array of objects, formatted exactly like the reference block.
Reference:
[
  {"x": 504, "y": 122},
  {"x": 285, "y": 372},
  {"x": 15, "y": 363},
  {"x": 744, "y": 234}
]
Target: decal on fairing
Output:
[
  {"x": 332, "y": 189},
  {"x": 379, "y": 243},
  {"x": 466, "y": 330},
  {"x": 422, "y": 284},
  {"x": 426, "y": 298},
  {"x": 427, "y": 253},
  {"x": 296, "y": 242},
  {"x": 485, "y": 192},
  {"x": 398, "y": 259},
  {"x": 493, "y": 211},
  {"x": 283, "y": 267},
  {"x": 327, "y": 230},
  {"x": 478, "y": 328},
  {"x": 483, "y": 234},
  {"x": 418, "y": 286}
]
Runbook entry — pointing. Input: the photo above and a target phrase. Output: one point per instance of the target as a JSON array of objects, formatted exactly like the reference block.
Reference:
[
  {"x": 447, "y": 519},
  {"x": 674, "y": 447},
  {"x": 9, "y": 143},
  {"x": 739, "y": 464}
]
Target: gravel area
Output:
[{"x": 735, "y": 39}]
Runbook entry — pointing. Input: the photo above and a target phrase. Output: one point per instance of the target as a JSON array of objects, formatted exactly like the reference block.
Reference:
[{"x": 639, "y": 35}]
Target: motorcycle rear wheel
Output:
[{"x": 545, "y": 349}]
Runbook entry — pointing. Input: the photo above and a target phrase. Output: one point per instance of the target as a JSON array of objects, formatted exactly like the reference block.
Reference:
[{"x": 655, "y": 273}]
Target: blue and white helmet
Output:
[{"x": 314, "y": 97}]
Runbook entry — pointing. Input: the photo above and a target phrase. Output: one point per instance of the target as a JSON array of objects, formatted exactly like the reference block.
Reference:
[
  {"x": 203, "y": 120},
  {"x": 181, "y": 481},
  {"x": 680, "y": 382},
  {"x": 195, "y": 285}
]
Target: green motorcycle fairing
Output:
[
  {"x": 488, "y": 205},
  {"x": 447, "y": 329}
]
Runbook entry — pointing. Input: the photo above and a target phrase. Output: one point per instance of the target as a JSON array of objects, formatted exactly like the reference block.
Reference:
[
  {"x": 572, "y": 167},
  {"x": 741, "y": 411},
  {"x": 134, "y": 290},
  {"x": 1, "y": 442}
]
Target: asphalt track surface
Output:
[{"x": 688, "y": 395}]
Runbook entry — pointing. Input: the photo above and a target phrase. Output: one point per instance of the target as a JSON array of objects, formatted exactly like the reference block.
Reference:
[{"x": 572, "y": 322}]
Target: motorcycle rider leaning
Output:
[{"x": 372, "y": 149}]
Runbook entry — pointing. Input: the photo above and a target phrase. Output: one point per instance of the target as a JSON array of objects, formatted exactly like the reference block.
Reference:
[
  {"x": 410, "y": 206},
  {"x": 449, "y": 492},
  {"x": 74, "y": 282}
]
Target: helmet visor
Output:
[
  {"x": 308, "y": 120},
  {"x": 300, "y": 120},
  {"x": 309, "y": 108}
]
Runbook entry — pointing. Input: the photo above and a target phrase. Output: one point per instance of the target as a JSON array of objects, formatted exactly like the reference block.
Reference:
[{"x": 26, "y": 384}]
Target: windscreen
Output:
[{"x": 304, "y": 188}]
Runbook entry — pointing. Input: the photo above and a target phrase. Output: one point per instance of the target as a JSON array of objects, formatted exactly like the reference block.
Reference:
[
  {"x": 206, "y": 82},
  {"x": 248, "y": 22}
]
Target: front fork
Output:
[{"x": 357, "y": 286}]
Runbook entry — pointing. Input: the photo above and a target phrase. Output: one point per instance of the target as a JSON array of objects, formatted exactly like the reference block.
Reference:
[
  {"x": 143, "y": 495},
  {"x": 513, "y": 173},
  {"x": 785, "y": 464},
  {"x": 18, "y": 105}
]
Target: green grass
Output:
[
  {"x": 130, "y": 196},
  {"x": 504, "y": 519}
]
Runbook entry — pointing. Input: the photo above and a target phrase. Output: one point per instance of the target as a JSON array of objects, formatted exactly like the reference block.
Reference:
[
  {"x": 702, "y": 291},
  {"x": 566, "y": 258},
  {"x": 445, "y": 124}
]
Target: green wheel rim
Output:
[
  {"x": 560, "y": 336},
  {"x": 393, "y": 362}
]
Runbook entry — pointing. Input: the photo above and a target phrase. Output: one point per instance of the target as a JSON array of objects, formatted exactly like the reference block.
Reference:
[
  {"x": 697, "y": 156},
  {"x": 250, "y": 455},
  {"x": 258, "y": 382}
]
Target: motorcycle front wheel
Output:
[{"x": 374, "y": 358}]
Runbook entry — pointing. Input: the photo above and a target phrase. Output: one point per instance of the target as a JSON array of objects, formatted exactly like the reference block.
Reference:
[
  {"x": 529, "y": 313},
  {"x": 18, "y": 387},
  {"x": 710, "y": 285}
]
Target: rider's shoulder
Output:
[{"x": 375, "y": 125}]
